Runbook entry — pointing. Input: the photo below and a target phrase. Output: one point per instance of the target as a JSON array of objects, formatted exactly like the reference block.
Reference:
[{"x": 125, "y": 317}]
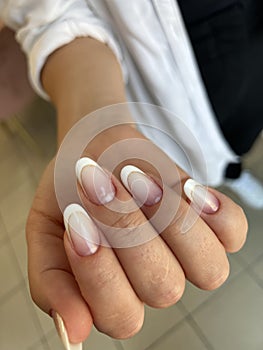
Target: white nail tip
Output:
[
  {"x": 189, "y": 187},
  {"x": 64, "y": 335},
  {"x": 125, "y": 173},
  {"x": 82, "y": 163},
  {"x": 72, "y": 209}
]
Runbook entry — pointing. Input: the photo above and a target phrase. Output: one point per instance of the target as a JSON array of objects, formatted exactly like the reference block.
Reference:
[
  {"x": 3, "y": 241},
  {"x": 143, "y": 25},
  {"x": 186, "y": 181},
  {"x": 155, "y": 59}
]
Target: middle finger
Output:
[{"x": 151, "y": 267}]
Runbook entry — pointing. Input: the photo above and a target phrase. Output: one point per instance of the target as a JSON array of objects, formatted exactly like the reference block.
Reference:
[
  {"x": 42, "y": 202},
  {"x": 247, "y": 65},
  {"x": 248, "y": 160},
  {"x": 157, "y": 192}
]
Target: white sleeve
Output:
[{"x": 42, "y": 26}]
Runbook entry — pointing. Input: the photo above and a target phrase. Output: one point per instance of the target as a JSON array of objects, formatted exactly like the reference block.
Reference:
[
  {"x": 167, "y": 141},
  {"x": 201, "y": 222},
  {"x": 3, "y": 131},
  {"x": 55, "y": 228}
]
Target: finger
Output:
[
  {"x": 115, "y": 307},
  {"x": 227, "y": 221},
  {"x": 199, "y": 251},
  {"x": 152, "y": 269},
  {"x": 52, "y": 285}
]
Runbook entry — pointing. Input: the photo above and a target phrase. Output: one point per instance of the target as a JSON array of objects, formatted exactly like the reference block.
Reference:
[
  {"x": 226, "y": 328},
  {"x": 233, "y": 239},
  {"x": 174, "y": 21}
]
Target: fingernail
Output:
[
  {"x": 140, "y": 185},
  {"x": 63, "y": 334},
  {"x": 95, "y": 182},
  {"x": 201, "y": 197},
  {"x": 81, "y": 230}
]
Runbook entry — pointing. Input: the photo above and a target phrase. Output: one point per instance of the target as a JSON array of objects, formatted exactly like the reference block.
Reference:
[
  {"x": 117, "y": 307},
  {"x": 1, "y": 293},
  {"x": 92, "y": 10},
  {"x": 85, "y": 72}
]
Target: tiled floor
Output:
[{"x": 230, "y": 318}]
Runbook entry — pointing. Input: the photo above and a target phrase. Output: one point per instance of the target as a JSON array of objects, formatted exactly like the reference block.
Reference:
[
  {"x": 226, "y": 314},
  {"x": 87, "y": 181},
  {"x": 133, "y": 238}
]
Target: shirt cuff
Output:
[{"x": 60, "y": 34}]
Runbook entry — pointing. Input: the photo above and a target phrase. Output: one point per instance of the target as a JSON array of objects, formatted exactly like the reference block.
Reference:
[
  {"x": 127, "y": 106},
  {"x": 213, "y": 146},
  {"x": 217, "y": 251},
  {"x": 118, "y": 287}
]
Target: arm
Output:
[
  {"x": 109, "y": 287},
  {"x": 81, "y": 77}
]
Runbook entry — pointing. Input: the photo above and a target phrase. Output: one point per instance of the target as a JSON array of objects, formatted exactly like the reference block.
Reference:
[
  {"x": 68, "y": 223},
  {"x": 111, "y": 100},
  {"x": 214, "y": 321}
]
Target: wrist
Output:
[
  {"x": 71, "y": 113},
  {"x": 80, "y": 78}
]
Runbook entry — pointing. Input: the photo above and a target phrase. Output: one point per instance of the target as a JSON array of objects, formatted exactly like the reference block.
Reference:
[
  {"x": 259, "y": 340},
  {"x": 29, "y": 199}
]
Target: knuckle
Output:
[
  {"x": 166, "y": 285},
  {"x": 106, "y": 278},
  {"x": 124, "y": 325},
  {"x": 179, "y": 218},
  {"x": 132, "y": 220},
  {"x": 242, "y": 228},
  {"x": 167, "y": 297},
  {"x": 214, "y": 278},
  {"x": 105, "y": 275},
  {"x": 238, "y": 235},
  {"x": 133, "y": 227}
]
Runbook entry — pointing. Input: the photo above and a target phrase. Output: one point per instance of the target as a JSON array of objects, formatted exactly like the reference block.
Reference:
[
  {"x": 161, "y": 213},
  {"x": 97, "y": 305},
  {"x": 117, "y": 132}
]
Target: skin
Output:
[{"x": 110, "y": 287}]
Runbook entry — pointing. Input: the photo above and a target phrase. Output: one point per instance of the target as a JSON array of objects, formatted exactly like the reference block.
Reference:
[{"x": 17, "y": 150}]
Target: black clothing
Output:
[{"x": 227, "y": 38}]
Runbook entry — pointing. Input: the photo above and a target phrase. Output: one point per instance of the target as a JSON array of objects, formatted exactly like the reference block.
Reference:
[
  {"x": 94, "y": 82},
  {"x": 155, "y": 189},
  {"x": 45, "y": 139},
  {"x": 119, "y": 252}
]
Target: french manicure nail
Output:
[
  {"x": 140, "y": 185},
  {"x": 81, "y": 230},
  {"x": 95, "y": 182},
  {"x": 63, "y": 334},
  {"x": 201, "y": 197}
]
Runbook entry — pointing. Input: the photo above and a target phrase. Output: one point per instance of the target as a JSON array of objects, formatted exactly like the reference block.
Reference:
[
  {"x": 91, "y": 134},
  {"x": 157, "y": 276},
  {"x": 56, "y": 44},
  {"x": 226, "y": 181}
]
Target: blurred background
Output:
[{"x": 229, "y": 318}]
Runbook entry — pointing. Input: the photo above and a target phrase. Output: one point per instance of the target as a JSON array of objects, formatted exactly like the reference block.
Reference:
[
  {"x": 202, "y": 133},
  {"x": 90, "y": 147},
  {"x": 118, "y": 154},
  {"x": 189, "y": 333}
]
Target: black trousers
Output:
[{"x": 227, "y": 37}]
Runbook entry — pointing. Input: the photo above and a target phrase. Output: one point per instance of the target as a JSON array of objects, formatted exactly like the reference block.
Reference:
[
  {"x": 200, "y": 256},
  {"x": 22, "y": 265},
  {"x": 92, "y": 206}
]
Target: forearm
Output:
[{"x": 81, "y": 77}]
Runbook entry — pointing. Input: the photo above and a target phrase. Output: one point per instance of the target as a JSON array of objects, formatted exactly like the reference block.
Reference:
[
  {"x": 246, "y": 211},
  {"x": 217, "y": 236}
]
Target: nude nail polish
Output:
[
  {"x": 201, "y": 197},
  {"x": 81, "y": 230},
  {"x": 63, "y": 334},
  {"x": 143, "y": 188},
  {"x": 95, "y": 182}
]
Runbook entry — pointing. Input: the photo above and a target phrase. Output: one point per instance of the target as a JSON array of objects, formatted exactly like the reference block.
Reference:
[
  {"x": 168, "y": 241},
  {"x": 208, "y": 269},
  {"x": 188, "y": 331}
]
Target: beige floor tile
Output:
[
  {"x": 182, "y": 337},
  {"x": 8, "y": 146},
  {"x": 98, "y": 341},
  {"x": 45, "y": 320},
  {"x": 54, "y": 342},
  {"x": 14, "y": 208},
  {"x": 18, "y": 329},
  {"x": 254, "y": 244},
  {"x": 157, "y": 322},
  {"x": 3, "y": 135},
  {"x": 37, "y": 164},
  {"x": 14, "y": 172},
  {"x": 233, "y": 318},
  {"x": 40, "y": 122},
  {"x": 193, "y": 297},
  {"x": 39, "y": 347},
  {"x": 9, "y": 271},
  {"x": 3, "y": 233},
  {"x": 258, "y": 269},
  {"x": 19, "y": 245}
]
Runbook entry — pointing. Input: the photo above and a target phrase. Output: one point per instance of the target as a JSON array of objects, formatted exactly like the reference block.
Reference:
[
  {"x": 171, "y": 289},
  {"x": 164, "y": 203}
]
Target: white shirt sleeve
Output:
[{"x": 44, "y": 26}]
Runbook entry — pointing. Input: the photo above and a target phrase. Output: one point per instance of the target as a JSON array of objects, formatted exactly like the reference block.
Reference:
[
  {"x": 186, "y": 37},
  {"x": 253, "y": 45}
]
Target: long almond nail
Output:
[
  {"x": 81, "y": 230},
  {"x": 95, "y": 182},
  {"x": 63, "y": 334},
  {"x": 140, "y": 185},
  {"x": 201, "y": 197}
]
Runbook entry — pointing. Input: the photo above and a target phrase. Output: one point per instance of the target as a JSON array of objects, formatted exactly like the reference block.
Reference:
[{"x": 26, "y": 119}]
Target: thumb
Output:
[{"x": 52, "y": 284}]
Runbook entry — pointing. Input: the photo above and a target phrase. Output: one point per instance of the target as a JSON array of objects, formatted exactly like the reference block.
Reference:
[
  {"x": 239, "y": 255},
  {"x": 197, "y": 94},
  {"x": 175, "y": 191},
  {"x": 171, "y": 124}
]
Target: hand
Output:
[{"x": 86, "y": 283}]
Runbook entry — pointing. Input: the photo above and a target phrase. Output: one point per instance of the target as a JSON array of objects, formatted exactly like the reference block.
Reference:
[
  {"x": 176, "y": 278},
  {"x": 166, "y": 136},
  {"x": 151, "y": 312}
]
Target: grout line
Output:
[
  {"x": 167, "y": 333},
  {"x": 4, "y": 238},
  {"x": 248, "y": 268},
  {"x": 8, "y": 295},
  {"x": 23, "y": 287},
  {"x": 4, "y": 241},
  {"x": 253, "y": 274},
  {"x": 217, "y": 292},
  {"x": 118, "y": 344},
  {"x": 172, "y": 329},
  {"x": 21, "y": 281},
  {"x": 193, "y": 324},
  {"x": 41, "y": 342},
  {"x": 34, "y": 317}
]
